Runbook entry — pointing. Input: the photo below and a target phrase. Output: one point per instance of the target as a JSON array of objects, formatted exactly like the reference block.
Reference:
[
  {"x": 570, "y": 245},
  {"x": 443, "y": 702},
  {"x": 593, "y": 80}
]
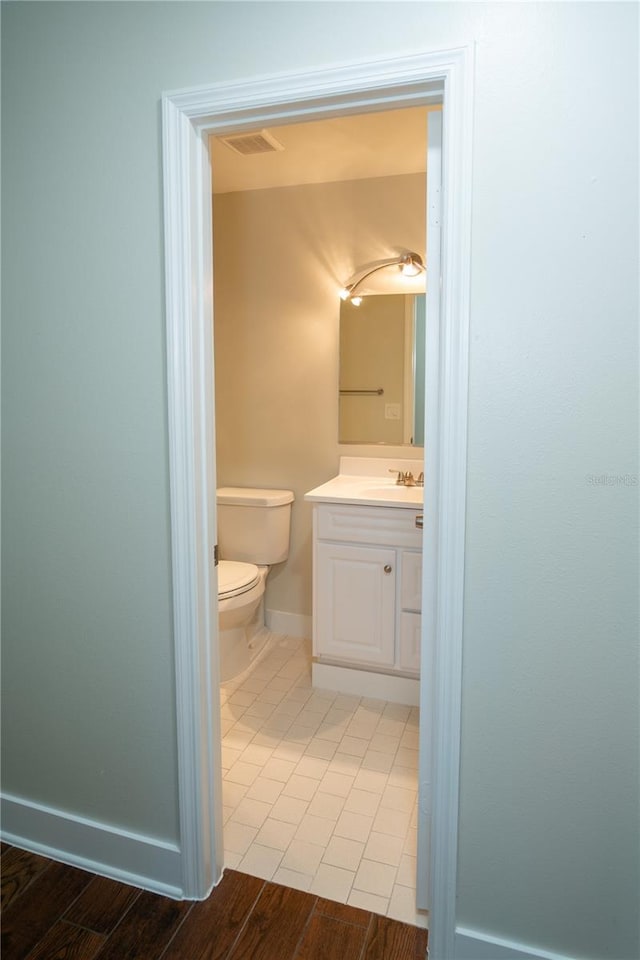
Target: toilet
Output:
[{"x": 253, "y": 534}]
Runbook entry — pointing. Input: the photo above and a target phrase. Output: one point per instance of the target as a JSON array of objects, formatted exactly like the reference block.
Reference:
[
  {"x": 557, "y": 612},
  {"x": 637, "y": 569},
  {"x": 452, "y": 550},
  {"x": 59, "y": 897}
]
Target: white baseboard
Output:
[
  {"x": 366, "y": 683},
  {"x": 97, "y": 847},
  {"x": 291, "y": 624},
  {"x": 474, "y": 945}
]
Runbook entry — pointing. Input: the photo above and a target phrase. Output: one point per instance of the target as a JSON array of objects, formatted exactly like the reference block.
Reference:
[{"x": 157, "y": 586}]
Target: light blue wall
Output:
[{"x": 548, "y": 841}]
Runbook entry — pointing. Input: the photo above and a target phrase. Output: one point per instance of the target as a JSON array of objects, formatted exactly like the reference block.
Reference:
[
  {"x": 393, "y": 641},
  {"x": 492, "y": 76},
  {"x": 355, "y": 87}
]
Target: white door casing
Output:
[
  {"x": 430, "y": 540},
  {"x": 188, "y": 119}
]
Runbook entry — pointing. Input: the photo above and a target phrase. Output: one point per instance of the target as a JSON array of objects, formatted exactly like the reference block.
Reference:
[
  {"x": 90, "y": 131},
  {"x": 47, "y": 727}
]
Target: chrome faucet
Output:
[{"x": 408, "y": 479}]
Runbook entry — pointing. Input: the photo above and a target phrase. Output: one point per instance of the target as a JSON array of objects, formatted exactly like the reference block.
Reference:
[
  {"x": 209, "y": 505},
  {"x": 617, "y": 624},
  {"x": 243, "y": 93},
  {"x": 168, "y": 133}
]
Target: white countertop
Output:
[{"x": 375, "y": 487}]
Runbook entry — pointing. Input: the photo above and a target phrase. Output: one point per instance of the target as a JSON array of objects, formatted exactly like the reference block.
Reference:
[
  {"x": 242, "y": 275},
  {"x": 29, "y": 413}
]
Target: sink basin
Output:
[
  {"x": 372, "y": 481},
  {"x": 391, "y": 491},
  {"x": 371, "y": 490}
]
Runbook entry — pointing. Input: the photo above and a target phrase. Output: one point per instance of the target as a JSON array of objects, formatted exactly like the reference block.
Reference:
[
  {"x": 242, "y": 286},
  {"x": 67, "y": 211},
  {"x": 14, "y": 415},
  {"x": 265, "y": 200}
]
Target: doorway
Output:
[
  {"x": 188, "y": 119},
  {"x": 309, "y": 780}
]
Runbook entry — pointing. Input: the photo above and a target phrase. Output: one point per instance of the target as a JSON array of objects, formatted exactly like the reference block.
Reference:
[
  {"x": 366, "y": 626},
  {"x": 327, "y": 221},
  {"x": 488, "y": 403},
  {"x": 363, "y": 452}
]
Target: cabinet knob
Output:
[{"x": 387, "y": 568}]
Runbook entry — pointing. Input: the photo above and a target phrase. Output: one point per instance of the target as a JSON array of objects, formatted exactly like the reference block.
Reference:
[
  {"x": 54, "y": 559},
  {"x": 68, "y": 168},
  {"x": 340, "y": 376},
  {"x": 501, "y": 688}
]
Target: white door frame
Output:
[{"x": 188, "y": 118}]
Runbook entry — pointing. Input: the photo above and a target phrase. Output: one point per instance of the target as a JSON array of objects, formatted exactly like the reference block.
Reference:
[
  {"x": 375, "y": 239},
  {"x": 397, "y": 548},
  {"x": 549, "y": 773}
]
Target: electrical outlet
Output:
[{"x": 392, "y": 411}]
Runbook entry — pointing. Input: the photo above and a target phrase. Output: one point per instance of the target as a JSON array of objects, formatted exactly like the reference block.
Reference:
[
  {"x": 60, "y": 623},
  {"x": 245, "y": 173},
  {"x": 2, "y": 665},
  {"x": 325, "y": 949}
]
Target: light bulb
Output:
[
  {"x": 411, "y": 266},
  {"x": 356, "y": 301},
  {"x": 410, "y": 270},
  {"x": 344, "y": 294}
]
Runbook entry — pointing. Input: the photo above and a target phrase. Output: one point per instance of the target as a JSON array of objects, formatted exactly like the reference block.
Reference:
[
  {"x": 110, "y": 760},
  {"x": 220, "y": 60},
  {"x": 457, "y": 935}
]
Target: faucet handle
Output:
[
  {"x": 420, "y": 479},
  {"x": 400, "y": 477}
]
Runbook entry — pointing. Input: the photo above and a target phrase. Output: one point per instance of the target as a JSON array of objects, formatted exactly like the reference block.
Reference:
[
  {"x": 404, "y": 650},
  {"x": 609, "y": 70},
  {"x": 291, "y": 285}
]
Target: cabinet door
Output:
[
  {"x": 355, "y": 603},
  {"x": 410, "y": 639},
  {"x": 411, "y": 586}
]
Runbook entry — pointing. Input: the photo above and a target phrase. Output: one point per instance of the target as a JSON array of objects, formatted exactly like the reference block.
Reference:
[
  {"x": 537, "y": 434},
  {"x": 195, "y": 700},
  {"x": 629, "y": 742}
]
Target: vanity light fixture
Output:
[{"x": 410, "y": 265}]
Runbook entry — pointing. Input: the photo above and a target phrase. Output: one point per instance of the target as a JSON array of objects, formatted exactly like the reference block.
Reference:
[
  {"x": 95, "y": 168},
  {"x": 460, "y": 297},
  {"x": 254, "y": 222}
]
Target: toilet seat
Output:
[{"x": 235, "y": 578}]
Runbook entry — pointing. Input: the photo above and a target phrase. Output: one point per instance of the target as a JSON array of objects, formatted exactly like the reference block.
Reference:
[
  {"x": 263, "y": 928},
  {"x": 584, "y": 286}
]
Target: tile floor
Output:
[{"x": 320, "y": 789}]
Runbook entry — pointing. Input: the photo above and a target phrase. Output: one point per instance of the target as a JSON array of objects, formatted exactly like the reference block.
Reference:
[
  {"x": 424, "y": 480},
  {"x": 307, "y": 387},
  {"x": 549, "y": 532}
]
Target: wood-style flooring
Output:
[{"x": 51, "y": 911}]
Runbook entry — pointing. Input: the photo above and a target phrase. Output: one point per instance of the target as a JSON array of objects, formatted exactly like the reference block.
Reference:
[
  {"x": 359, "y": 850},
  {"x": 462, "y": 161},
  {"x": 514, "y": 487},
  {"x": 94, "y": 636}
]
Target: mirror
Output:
[{"x": 382, "y": 348}]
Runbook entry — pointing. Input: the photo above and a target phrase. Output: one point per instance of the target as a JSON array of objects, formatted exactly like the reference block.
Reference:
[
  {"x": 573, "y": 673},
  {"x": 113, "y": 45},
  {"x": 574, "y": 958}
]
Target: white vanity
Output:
[{"x": 367, "y": 580}]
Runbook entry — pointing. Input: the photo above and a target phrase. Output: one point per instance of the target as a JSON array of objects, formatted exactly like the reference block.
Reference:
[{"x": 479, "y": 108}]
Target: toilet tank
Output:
[{"x": 254, "y": 524}]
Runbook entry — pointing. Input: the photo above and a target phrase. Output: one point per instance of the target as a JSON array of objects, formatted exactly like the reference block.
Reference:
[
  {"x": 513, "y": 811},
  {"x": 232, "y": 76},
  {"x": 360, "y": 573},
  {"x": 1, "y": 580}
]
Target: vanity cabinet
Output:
[{"x": 367, "y": 564}]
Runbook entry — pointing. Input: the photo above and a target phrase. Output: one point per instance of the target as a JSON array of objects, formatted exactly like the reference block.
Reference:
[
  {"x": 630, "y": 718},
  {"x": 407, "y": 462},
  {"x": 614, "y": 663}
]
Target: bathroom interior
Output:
[{"x": 320, "y": 756}]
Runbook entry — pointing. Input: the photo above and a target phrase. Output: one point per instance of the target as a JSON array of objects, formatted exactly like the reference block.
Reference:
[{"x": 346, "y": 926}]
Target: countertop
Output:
[{"x": 375, "y": 488}]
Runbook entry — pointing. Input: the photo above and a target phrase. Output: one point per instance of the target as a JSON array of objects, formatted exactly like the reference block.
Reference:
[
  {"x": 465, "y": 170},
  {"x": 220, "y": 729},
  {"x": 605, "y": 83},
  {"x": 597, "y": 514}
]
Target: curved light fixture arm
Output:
[{"x": 410, "y": 260}]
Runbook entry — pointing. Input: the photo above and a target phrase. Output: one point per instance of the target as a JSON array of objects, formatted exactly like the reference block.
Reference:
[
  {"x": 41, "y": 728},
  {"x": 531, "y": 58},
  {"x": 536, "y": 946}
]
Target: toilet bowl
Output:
[
  {"x": 253, "y": 531},
  {"x": 241, "y": 589}
]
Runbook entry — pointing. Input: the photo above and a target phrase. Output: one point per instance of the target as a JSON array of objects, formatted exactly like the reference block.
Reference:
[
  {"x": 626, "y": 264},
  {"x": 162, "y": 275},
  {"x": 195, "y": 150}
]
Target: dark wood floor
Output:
[{"x": 54, "y": 912}]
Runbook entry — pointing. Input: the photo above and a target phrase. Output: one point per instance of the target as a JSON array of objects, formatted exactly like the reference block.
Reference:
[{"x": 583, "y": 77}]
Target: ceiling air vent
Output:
[{"x": 251, "y": 143}]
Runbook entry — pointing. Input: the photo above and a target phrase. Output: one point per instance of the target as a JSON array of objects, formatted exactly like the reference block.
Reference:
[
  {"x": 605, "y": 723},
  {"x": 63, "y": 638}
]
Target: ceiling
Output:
[{"x": 355, "y": 147}]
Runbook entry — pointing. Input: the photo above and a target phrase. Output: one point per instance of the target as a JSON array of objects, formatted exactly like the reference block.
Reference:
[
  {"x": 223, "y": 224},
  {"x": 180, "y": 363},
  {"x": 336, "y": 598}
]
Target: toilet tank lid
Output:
[{"x": 253, "y": 496}]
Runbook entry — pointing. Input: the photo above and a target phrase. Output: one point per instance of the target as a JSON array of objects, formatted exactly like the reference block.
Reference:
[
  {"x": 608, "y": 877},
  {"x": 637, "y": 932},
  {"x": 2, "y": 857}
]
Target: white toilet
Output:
[{"x": 253, "y": 534}]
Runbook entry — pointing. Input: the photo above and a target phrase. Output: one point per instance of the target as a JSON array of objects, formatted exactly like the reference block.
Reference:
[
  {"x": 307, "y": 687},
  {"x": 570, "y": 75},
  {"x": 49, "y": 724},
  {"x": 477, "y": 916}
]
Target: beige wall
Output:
[{"x": 280, "y": 258}]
